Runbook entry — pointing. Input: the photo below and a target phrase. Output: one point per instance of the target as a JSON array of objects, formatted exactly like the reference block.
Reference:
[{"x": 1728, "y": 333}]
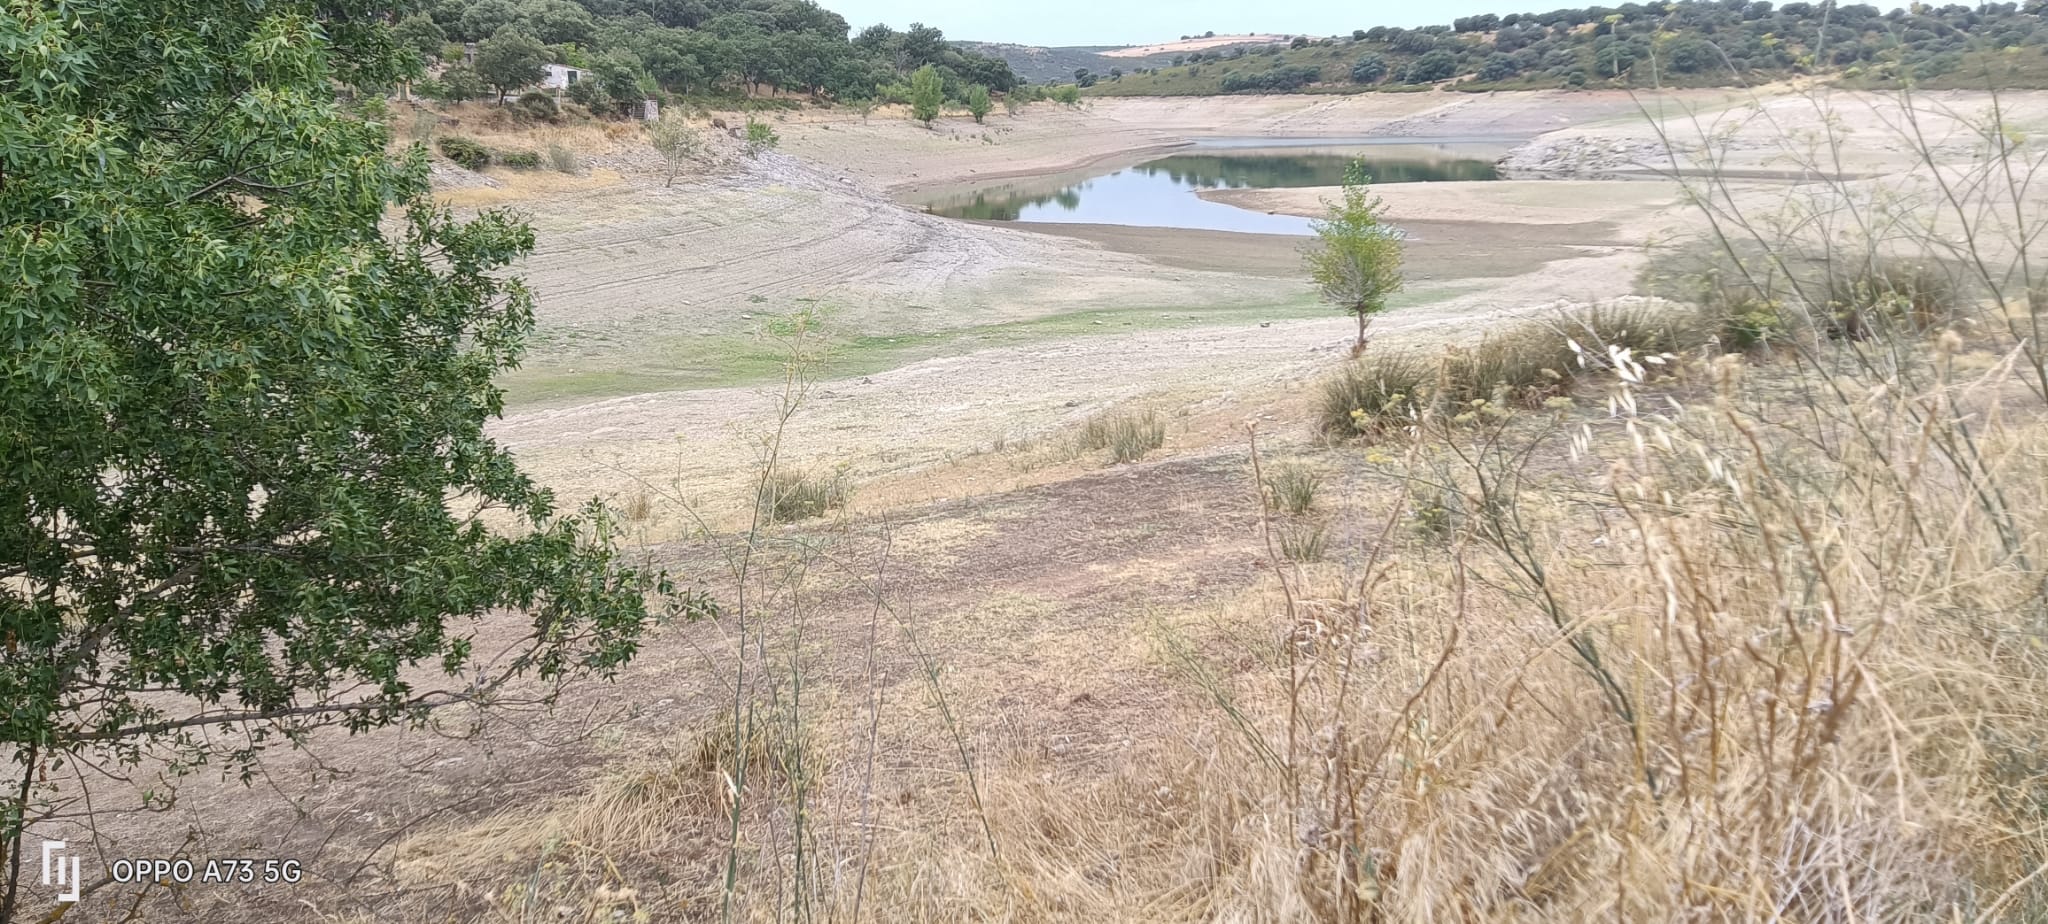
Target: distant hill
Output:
[
  {"x": 1042, "y": 65},
  {"x": 1687, "y": 43}
]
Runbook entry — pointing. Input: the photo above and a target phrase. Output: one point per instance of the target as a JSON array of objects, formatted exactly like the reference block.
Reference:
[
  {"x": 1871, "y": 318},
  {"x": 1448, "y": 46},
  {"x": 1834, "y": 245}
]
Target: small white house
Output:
[{"x": 560, "y": 77}]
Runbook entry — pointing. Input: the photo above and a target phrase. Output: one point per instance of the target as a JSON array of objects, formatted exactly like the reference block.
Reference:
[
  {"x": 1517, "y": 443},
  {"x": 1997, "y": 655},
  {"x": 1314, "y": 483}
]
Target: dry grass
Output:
[
  {"x": 787, "y": 496},
  {"x": 1763, "y": 659},
  {"x": 1728, "y": 637},
  {"x": 1128, "y": 435},
  {"x": 515, "y": 186},
  {"x": 1292, "y": 487}
]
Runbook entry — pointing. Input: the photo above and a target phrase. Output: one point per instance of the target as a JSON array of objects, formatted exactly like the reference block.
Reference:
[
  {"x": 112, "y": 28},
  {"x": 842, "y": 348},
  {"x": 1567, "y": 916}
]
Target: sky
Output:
[{"x": 1124, "y": 22}]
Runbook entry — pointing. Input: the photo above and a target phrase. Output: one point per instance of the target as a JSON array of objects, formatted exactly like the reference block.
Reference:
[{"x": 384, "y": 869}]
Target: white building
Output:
[{"x": 560, "y": 77}]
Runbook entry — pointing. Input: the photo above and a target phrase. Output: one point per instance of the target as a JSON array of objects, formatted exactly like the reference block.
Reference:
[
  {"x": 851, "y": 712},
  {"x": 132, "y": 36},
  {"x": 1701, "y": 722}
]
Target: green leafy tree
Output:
[
  {"x": 1369, "y": 69},
  {"x": 461, "y": 84},
  {"x": 420, "y": 34},
  {"x": 620, "y": 75},
  {"x": 1067, "y": 94},
  {"x": 483, "y": 18},
  {"x": 1432, "y": 67},
  {"x": 509, "y": 60},
  {"x": 1692, "y": 55},
  {"x": 927, "y": 94},
  {"x": 1355, "y": 260},
  {"x": 245, "y": 488},
  {"x": 979, "y": 104},
  {"x": 1497, "y": 67},
  {"x": 556, "y": 22}
]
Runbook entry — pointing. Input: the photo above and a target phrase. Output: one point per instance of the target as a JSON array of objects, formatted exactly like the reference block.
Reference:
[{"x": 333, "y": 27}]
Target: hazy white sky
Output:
[{"x": 1123, "y": 22}]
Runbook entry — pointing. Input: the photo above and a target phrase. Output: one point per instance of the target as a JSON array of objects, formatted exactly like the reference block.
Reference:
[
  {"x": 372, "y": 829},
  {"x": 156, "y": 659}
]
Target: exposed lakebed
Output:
[{"x": 1165, "y": 192}]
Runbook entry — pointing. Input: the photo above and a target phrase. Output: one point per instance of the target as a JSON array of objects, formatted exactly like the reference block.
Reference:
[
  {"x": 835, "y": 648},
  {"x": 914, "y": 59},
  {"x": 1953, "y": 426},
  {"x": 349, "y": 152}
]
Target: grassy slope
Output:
[
  {"x": 1057, "y": 65},
  {"x": 581, "y": 367}
]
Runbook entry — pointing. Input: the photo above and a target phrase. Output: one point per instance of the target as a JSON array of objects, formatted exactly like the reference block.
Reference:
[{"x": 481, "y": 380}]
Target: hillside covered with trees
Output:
[
  {"x": 635, "y": 49},
  {"x": 1687, "y": 43}
]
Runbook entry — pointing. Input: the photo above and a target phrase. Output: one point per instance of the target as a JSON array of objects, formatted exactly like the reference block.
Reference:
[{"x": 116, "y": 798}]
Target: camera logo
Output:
[{"x": 56, "y": 873}]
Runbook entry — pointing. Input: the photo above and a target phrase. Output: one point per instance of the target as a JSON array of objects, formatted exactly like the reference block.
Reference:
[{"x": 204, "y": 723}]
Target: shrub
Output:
[
  {"x": 591, "y": 95},
  {"x": 1879, "y": 296},
  {"x": 760, "y": 137},
  {"x": 1643, "y": 326},
  {"x": 1127, "y": 436},
  {"x": 1520, "y": 367},
  {"x": 978, "y": 102},
  {"x": 1497, "y": 68},
  {"x": 536, "y": 105},
  {"x": 518, "y": 160},
  {"x": 1292, "y": 488},
  {"x": 460, "y": 84},
  {"x": 1371, "y": 395},
  {"x": 789, "y": 495},
  {"x": 1303, "y": 540},
  {"x": 563, "y": 158},
  {"x": 677, "y": 143},
  {"x": 1816, "y": 296},
  {"x": 1750, "y": 322},
  {"x": 1369, "y": 69},
  {"x": 637, "y": 508},
  {"x": 466, "y": 152},
  {"x": 1432, "y": 67},
  {"x": 1279, "y": 79}
]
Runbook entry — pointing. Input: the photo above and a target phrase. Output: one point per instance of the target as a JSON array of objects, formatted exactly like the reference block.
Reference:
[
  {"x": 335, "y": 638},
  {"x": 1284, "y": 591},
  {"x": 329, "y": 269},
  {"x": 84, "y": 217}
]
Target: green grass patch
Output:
[{"x": 569, "y": 368}]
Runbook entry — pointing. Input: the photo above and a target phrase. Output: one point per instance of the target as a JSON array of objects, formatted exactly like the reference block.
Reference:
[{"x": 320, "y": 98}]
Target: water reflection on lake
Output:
[{"x": 1162, "y": 193}]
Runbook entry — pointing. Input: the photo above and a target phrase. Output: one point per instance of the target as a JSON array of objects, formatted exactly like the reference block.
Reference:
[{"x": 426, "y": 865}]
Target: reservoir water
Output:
[{"x": 1163, "y": 193}]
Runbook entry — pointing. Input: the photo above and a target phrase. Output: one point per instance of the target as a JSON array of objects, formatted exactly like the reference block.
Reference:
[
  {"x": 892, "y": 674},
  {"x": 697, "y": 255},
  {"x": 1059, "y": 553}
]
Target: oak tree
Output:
[{"x": 245, "y": 366}]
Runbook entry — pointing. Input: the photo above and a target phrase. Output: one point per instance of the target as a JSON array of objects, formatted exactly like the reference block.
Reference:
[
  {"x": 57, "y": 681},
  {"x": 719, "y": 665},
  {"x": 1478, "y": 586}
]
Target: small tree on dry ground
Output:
[
  {"x": 978, "y": 102},
  {"x": 1356, "y": 258},
  {"x": 677, "y": 143},
  {"x": 927, "y": 94}
]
